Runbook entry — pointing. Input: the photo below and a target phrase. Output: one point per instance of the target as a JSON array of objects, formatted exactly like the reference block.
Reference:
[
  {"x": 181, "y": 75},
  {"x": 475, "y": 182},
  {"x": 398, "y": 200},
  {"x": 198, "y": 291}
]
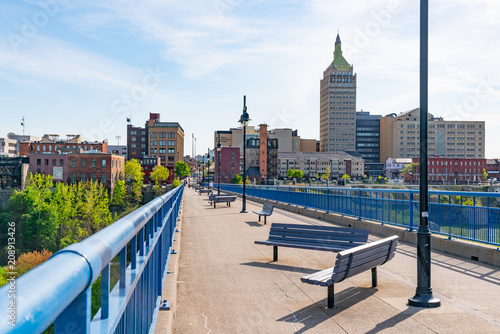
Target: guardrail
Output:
[
  {"x": 472, "y": 216},
  {"x": 59, "y": 290}
]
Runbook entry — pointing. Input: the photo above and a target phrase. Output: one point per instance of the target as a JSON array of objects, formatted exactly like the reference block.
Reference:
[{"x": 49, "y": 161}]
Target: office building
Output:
[
  {"x": 338, "y": 104},
  {"x": 400, "y": 137},
  {"x": 368, "y": 142}
]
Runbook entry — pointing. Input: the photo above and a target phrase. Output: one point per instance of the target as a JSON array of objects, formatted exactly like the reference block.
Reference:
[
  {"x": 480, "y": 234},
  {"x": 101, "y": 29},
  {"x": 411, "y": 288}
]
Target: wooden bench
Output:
[
  {"x": 214, "y": 199},
  {"x": 323, "y": 238},
  {"x": 204, "y": 191},
  {"x": 354, "y": 261},
  {"x": 267, "y": 210}
]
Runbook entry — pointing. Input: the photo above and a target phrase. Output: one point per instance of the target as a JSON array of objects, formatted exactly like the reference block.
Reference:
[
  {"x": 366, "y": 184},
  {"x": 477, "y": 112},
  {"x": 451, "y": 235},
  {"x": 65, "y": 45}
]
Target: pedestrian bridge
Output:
[{"x": 224, "y": 283}]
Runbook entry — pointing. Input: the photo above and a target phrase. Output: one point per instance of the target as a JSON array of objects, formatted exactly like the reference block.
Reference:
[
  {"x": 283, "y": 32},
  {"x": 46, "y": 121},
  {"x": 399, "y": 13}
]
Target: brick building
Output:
[
  {"x": 156, "y": 139},
  {"x": 147, "y": 167},
  {"x": 103, "y": 167},
  {"x": 55, "y": 164},
  {"x": 51, "y": 143},
  {"x": 451, "y": 170},
  {"x": 230, "y": 164}
]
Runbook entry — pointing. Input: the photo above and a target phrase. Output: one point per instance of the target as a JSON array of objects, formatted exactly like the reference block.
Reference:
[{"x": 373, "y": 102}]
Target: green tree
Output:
[
  {"x": 133, "y": 171},
  {"x": 237, "y": 179},
  {"x": 298, "y": 174},
  {"x": 289, "y": 173},
  {"x": 176, "y": 183},
  {"x": 182, "y": 169},
  {"x": 326, "y": 174},
  {"x": 159, "y": 174},
  {"x": 484, "y": 175},
  {"x": 35, "y": 216},
  {"x": 410, "y": 169},
  {"x": 119, "y": 193}
]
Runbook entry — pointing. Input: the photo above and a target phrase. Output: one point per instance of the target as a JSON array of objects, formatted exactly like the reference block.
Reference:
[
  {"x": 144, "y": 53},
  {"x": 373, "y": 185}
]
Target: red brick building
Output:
[
  {"x": 453, "y": 170},
  {"x": 230, "y": 164},
  {"x": 147, "y": 167},
  {"x": 103, "y": 167},
  {"x": 52, "y": 144},
  {"x": 50, "y": 164}
]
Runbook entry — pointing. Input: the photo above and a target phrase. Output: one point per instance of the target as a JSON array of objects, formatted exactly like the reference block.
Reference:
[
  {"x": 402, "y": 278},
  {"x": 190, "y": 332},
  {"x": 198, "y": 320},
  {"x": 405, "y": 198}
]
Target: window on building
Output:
[
  {"x": 46, "y": 162},
  {"x": 103, "y": 163},
  {"x": 93, "y": 177},
  {"x": 103, "y": 178},
  {"x": 94, "y": 163},
  {"x": 134, "y": 139},
  {"x": 171, "y": 135},
  {"x": 84, "y": 162},
  {"x": 73, "y": 177},
  {"x": 38, "y": 162},
  {"x": 171, "y": 151},
  {"x": 61, "y": 162},
  {"x": 171, "y": 143},
  {"x": 170, "y": 158},
  {"x": 84, "y": 177},
  {"x": 133, "y": 146}
]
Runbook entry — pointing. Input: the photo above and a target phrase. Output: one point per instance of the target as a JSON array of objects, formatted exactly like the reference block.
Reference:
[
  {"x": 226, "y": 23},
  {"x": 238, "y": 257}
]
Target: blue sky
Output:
[{"x": 82, "y": 67}]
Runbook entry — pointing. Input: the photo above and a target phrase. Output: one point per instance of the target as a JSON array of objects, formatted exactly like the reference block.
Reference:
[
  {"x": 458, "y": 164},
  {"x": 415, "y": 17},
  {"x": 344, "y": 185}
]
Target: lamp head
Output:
[{"x": 244, "y": 118}]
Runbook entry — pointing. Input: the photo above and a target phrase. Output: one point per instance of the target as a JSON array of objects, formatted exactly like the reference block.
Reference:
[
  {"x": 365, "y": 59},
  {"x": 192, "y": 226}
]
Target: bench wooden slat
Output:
[
  {"x": 317, "y": 236},
  {"x": 328, "y": 248},
  {"x": 352, "y": 262},
  {"x": 313, "y": 237}
]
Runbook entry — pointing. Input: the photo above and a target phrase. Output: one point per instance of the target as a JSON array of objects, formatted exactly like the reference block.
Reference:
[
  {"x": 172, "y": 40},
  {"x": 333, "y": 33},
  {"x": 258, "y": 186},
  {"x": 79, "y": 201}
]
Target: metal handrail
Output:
[{"x": 59, "y": 290}]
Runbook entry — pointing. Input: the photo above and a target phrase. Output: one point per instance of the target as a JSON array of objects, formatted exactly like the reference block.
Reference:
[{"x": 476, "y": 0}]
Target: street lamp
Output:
[
  {"x": 208, "y": 165},
  {"x": 423, "y": 295},
  {"x": 218, "y": 165},
  {"x": 244, "y": 119}
]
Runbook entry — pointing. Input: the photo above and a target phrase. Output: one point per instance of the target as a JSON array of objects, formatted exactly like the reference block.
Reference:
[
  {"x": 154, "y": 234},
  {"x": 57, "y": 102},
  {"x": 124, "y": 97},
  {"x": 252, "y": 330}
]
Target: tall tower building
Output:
[{"x": 338, "y": 104}]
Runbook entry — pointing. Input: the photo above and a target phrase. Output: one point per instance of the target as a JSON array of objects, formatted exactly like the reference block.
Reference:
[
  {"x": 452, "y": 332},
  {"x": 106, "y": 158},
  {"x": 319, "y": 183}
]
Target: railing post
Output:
[
  {"x": 123, "y": 267},
  {"x": 411, "y": 212},
  {"x": 359, "y": 203},
  {"x": 76, "y": 317},
  {"x": 105, "y": 286}
]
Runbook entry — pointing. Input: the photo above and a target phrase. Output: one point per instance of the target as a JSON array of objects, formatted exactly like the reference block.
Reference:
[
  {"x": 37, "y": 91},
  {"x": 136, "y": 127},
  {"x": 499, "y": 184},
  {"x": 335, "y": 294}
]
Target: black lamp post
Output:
[
  {"x": 423, "y": 295},
  {"x": 208, "y": 164},
  {"x": 218, "y": 166},
  {"x": 244, "y": 119}
]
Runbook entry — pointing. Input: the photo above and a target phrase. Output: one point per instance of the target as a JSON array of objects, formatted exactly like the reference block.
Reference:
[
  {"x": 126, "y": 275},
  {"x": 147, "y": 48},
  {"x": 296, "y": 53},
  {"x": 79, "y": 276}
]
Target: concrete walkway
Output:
[{"x": 227, "y": 284}]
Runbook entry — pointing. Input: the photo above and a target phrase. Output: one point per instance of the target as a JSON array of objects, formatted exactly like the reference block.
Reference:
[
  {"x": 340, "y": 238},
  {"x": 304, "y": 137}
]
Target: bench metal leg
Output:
[
  {"x": 265, "y": 220},
  {"x": 331, "y": 299},
  {"x": 374, "y": 277},
  {"x": 275, "y": 253},
  {"x": 215, "y": 205},
  {"x": 259, "y": 218}
]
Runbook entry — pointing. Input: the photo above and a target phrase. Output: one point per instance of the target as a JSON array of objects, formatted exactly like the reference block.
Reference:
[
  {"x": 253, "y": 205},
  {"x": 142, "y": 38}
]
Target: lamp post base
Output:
[
  {"x": 243, "y": 211},
  {"x": 424, "y": 300}
]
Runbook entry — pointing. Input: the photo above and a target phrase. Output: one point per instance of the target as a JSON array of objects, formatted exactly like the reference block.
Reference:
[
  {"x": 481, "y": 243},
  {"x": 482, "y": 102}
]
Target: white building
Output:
[
  {"x": 393, "y": 166},
  {"x": 312, "y": 163}
]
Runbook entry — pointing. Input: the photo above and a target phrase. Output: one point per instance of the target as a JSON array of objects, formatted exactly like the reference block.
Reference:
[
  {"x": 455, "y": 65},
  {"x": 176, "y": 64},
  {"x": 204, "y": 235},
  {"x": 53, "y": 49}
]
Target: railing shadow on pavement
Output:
[{"x": 59, "y": 290}]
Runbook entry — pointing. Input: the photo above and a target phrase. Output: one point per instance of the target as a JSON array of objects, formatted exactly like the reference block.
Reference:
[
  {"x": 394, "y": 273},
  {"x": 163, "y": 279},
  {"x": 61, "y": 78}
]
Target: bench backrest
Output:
[
  {"x": 318, "y": 235},
  {"x": 267, "y": 208},
  {"x": 359, "y": 259},
  {"x": 224, "y": 198}
]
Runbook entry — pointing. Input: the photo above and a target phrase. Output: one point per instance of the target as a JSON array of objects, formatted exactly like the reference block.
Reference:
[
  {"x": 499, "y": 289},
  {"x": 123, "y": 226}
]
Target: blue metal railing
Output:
[
  {"x": 59, "y": 290},
  {"x": 472, "y": 216}
]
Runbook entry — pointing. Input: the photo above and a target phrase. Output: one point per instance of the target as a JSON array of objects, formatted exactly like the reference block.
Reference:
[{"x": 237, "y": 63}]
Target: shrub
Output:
[
  {"x": 28, "y": 261},
  {"x": 176, "y": 183}
]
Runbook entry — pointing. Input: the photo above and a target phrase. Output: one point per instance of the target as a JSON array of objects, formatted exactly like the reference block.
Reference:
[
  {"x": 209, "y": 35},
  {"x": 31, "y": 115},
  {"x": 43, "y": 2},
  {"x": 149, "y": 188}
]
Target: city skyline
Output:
[{"x": 83, "y": 68}]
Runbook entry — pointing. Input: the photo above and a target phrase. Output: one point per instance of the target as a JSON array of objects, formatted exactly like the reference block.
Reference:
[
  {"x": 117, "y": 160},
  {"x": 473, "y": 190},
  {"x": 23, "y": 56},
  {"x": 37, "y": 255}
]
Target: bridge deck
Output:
[{"x": 227, "y": 284}]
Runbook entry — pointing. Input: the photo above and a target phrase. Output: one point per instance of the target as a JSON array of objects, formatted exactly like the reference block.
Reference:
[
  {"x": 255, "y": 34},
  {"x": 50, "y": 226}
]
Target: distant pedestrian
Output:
[{"x": 210, "y": 185}]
